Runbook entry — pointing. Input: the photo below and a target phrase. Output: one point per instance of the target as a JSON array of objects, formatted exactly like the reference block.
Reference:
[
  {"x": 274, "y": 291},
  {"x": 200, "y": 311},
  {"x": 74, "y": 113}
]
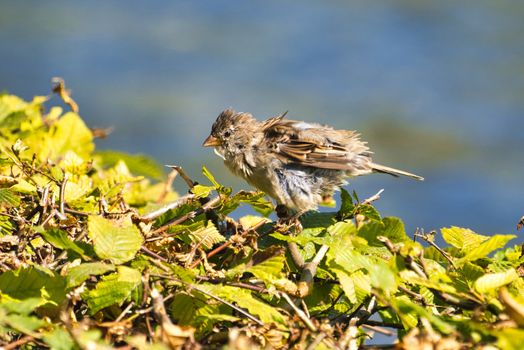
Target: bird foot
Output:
[{"x": 288, "y": 220}]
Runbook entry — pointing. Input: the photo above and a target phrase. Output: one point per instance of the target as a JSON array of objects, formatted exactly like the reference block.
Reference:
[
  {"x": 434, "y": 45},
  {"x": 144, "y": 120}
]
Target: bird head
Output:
[{"x": 231, "y": 132}]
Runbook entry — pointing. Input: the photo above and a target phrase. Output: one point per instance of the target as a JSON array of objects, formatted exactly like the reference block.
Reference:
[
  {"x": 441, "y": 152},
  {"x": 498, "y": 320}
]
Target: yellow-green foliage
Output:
[{"x": 97, "y": 250}]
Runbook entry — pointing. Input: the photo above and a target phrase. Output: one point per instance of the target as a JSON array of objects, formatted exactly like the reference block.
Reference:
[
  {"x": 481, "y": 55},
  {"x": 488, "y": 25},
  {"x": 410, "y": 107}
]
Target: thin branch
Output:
[
  {"x": 169, "y": 182},
  {"x": 62, "y": 193},
  {"x": 427, "y": 239},
  {"x": 378, "y": 329},
  {"x": 234, "y": 307},
  {"x": 160, "y": 211},
  {"x": 153, "y": 254},
  {"x": 309, "y": 271},
  {"x": 190, "y": 183},
  {"x": 18, "y": 343},
  {"x": 206, "y": 207},
  {"x": 373, "y": 198},
  {"x": 301, "y": 314},
  {"x": 123, "y": 313}
]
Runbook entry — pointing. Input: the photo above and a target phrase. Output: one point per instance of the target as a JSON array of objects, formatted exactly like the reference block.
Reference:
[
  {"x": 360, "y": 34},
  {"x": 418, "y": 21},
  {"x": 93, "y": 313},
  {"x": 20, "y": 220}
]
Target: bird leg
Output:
[{"x": 289, "y": 218}]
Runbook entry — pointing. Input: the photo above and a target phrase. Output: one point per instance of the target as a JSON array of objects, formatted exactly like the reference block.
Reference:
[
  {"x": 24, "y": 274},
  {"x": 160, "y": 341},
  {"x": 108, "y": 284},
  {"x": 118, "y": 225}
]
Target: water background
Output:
[{"x": 436, "y": 87}]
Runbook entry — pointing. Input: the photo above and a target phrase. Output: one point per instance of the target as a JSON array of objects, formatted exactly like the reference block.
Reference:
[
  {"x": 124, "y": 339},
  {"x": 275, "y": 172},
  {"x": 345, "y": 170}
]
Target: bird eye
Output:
[{"x": 227, "y": 133}]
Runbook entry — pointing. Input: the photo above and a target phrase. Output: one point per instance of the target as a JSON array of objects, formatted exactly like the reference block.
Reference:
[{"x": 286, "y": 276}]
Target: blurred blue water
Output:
[{"x": 435, "y": 87}]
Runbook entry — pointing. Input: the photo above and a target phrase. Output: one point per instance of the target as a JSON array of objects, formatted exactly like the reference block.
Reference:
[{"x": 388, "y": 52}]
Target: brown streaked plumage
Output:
[{"x": 297, "y": 163}]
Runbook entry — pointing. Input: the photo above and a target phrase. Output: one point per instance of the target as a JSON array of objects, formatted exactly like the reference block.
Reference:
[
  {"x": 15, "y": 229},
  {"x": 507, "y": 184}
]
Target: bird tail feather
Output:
[{"x": 392, "y": 171}]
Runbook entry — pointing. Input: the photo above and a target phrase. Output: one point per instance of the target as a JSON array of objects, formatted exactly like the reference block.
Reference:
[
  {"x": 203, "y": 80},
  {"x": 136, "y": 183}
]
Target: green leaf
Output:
[
  {"x": 346, "y": 206},
  {"x": 492, "y": 281},
  {"x": 394, "y": 230},
  {"x": 206, "y": 236},
  {"x": 185, "y": 307},
  {"x": 78, "y": 274},
  {"x": 245, "y": 299},
  {"x": 114, "y": 289},
  {"x": 202, "y": 191},
  {"x": 59, "y": 339},
  {"x": 462, "y": 238},
  {"x": 342, "y": 228},
  {"x": 24, "y": 324},
  {"x": 69, "y": 133},
  {"x": 59, "y": 239},
  {"x": 210, "y": 177},
  {"x": 116, "y": 240},
  {"x": 270, "y": 270},
  {"x": 482, "y": 250},
  {"x": 8, "y": 198},
  {"x": 138, "y": 164},
  {"x": 33, "y": 282}
]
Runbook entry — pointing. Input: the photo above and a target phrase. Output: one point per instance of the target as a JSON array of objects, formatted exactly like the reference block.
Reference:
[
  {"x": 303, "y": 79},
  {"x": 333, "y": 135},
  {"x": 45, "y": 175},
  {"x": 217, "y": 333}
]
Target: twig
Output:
[
  {"x": 234, "y": 307},
  {"x": 190, "y": 183},
  {"x": 295, "y": 254},
  {"x": 206, "y": 207},
  {"x": 383, "y": 324},
  {"x": 373, "y": 198},
  {"x": 17, "y": 343},
  {"x": 160, "y": 211},
  {"x": 299, "y": 313},
  {"x": 348, "y": 339},
  {"x": 309, "y": 271},
  {"x": 153, "y": 254},
  {"x": 318, "y": 340},
  {"x": 434, "y": 245},
  {"x": 65, "y": 95},
  {"x": 412, "y": 294},
  {"x": 62, "y": 194},
  {"x": 169, "y": 182},
  {"x": 378, "y": 329},
  {"x": 123, "y": 313}
]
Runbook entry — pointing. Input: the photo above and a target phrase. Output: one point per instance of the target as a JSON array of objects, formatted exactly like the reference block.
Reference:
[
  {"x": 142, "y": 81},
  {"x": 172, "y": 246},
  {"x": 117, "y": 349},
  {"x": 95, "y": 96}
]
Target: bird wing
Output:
[{"x": 314, "y": 145}]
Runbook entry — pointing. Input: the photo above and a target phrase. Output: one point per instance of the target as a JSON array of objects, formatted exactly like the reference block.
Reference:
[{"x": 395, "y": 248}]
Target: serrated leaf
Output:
[
  {"x": 314, "y": 219},
  {"x": 33, "y": 282},
  {"x": 250, "y": 221},
  {"x": 69, "y": 133},
  {"x": 58, "y": 239},
  {"x": 116, "y": 240},
  {"x": 78, "y": 274},
  {"x": 462, "y": 238},
  {"x": 59, "y": 339},
  {"x": 269, "y": 270},
  {"x": 492, "y": 281},
  {"x": 184, "y": 307},
  {"x": 346, "y": 206},
  {"x": 206, "y": 236},
  {"x": 114, "y": 289},
  {"x": 24, "y": 324},
  {"x": 201, "y": 191},
  {"x": 480, "y": 251},
  {"x": 8, "y": 198},
  {"x": 342, "y": 228},
  {"x": 245, "y": 299},
  {"x": 210, "y": 177},
  {"x": 471, "y": 272}
]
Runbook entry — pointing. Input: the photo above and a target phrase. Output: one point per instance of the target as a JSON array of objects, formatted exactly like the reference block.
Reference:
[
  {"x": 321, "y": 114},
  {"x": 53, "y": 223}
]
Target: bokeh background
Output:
[{"x": 436, "y": 87}]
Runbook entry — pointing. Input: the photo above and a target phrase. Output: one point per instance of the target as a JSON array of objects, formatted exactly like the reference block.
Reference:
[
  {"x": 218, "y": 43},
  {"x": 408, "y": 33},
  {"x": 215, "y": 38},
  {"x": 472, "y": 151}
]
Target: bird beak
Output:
[{"x": 211, "y": 141}]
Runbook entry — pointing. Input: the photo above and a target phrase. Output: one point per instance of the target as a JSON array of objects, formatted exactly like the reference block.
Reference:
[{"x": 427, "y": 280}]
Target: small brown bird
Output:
[{"x": 297, "y": 163}]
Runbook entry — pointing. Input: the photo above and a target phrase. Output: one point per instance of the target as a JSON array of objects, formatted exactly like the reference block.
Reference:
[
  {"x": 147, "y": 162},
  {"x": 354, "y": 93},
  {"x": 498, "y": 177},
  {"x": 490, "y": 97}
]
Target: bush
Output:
[{"x": 98, "y": 251}]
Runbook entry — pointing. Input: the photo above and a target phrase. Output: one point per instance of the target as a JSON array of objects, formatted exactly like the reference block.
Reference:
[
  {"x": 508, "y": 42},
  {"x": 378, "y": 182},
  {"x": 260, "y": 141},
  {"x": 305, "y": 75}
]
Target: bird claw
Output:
[{"x": 287, "y": 220}]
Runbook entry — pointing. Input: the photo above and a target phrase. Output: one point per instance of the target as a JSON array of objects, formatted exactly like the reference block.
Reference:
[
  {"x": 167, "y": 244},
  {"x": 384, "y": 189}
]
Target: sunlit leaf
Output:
[
  {"x": 113, "y": 289},
  {"x": 492, "y": 281},
  {"x": 116, "y": 240}
]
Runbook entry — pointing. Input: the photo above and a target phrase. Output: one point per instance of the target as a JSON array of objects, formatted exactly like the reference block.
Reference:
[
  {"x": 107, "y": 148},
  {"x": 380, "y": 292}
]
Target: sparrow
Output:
[{"x": 297, "y": 163}]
